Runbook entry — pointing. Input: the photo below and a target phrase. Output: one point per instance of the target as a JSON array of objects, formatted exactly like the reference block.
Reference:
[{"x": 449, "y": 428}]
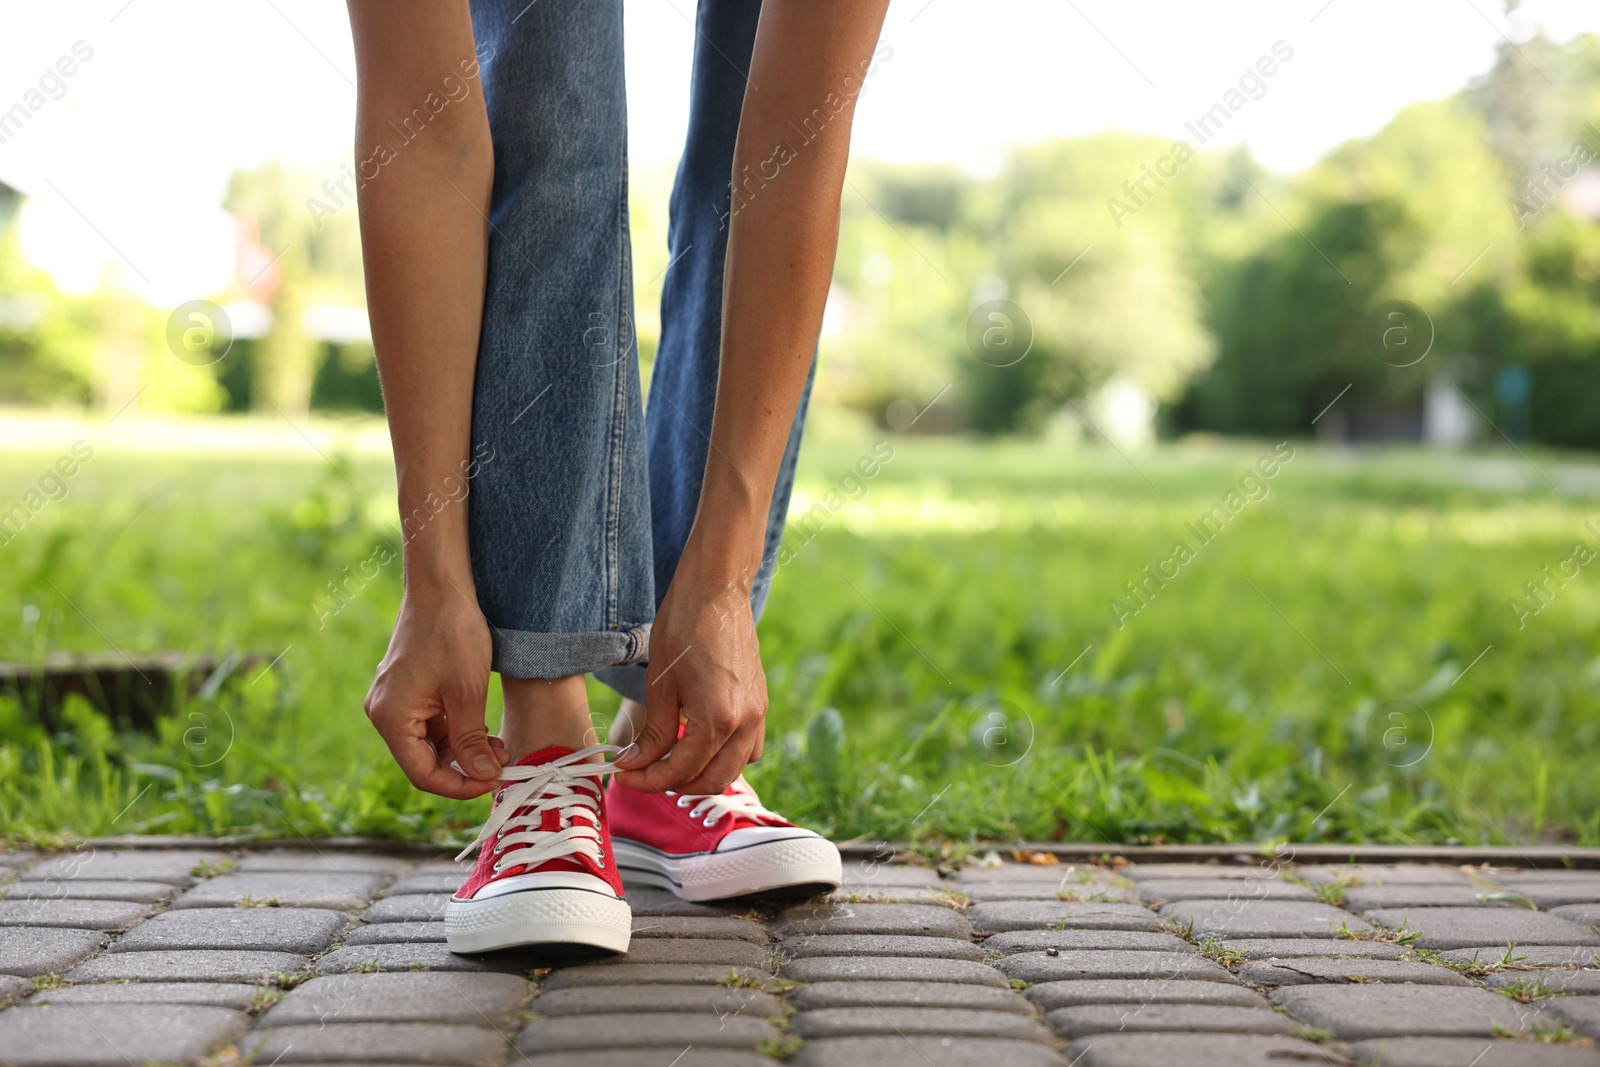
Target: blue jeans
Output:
[{"x": 581, "y": 507}]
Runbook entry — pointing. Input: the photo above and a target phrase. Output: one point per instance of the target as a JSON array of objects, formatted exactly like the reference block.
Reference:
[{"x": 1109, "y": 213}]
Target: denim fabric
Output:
[{"x": 574, "y": 535}]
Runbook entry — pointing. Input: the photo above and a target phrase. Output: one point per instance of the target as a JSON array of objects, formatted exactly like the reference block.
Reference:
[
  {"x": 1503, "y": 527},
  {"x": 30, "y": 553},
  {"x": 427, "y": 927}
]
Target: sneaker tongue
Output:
[{"x": 544, "y": 755}]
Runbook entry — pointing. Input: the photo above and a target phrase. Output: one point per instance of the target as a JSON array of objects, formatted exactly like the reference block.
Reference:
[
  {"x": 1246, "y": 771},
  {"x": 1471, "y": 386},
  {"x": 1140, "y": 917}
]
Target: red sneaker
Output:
[
  {"x": 711, "y": 847},
  {"x": 545, "y": 872}
]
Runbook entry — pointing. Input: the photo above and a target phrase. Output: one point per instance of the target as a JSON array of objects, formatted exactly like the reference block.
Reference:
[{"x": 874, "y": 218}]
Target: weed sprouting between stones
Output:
[{"x": 1528, "y": 990}]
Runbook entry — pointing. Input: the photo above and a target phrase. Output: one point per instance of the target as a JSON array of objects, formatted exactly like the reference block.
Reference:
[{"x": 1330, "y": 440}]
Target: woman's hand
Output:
[
  {"x": 705, "y": 668},
  {"x": 428, "y": 698}
]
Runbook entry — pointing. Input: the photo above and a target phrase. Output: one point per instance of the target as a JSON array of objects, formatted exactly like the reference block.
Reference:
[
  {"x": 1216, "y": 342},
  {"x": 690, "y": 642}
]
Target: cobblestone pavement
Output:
[{"x": 289, "y": 956}]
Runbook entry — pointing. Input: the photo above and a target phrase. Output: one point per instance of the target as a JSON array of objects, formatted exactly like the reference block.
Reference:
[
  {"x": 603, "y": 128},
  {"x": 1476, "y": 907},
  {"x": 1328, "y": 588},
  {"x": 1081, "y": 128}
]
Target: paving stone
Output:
[
  {"x": 890, "y": 969},
  {"x": 906, "y": 995},
  {"x": 1462, "y": 927},
  {"x": 911, "y": 919},
  {"x": 693, "y": 950},
  {"x": 13, "y": 988},
  {"x": 620, "y": 1030},
  {"x": 304, "y": 931},
  {"x": 439, "y": 882},
  {"x": 1471, "y": 1052},
  {"x": 1265, "y": 918},
  {"x": 396, "y": 934},
  {"x": 429, "y": 956},
  {"x": 1358, "y": 1012},
  {"x": 1199, "y": 1050},
  {"x": 1309, "y": 971},
  {"x": 340, "y": 892},
  {"x": 237, "y": 995},
  {"x": 74, "y": 914},
  {"x": 292, "y": 860},
  {"x": 700, "y": 926},
  {"x": 652, "y": 1057},
  {"x": 663, "y": 902},
  {"x": 412, "y": 907},
  {"x": 720, "y": 1000},
  {"x": 1255, "y": 870},
  {"x": 1587, "y": 914},
  {"x": 1572, "y": 983},
  {"x": 198, "y": 965},
  {"x": 1222, "y": 889},
  {"x": 87, "y": 889},
  {"x": 1554, "y": 876},
  {"x": 1005, "y": 916},
  {"x": 114, "y": 1035},
  {"x": 32, "y": 951},
  {"x": 490, "y": 1000},
  {"x": 1053, "y": 873},
  {"x": 16, "y": 860},
  {"x": 410, "y": 1043},
  {"x": 952, "y": 1022},
  {"x": 1298, "y": 948},
  {"x": 1580, "y": 1013},
  {"x": 1553, "y": 894},
  {"x": 591, "y": 976},
  {"x": 1084, "y": 940},
  {"x": 1048, "y": 996},
  {"x": 893, "y": 894},
  {"x": 925, "y": 1050},
  {"x": 985, "y": 893},
  {"x": 1068, "y": 966},
  {"x": 1093, "y": 894},
  {"x": 1089, "y": 1019},
  {"x": 1368, "y": 875},
  {"x": 134, "y": 865},
  {"x": 1527, "y": 955},
  {"x": 947, "y": 948},
  {"x": 857, "y": 874},
  {"x": 1421, "y": 896}
]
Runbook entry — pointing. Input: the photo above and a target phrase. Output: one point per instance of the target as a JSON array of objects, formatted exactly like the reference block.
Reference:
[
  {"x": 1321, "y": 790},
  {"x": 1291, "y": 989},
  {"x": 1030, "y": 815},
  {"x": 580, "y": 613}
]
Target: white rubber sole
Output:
[
  {"x": 790, "y": 863},
  {"x": 538, "y": 917}
]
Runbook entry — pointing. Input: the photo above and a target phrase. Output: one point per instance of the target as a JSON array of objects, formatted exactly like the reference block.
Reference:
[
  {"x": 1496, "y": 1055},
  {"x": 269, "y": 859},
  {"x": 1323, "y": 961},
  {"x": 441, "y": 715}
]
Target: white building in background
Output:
[{"x": 1448, "y": 419}]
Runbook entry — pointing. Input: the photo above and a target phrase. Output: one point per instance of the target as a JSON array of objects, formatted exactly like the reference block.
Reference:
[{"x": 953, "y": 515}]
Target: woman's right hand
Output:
[{"x": 429, "y": 694}]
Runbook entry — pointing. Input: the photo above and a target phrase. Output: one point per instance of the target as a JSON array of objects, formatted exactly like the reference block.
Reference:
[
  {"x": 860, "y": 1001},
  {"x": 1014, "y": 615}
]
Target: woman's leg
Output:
[
  {"x": 559, "y": 512},
  {"x": 683, "y": 382}
]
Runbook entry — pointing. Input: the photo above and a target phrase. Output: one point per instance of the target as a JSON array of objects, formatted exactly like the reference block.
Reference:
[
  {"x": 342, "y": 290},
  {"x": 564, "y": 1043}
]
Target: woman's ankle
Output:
[{"x": 540, "y": 712}]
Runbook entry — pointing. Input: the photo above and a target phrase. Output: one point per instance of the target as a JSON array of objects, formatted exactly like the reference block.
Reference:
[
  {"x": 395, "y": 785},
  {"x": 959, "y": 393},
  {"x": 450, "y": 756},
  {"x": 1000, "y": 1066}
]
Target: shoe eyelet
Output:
[
  {"x": 683, "y": 802},
  {"x": 708, "y": 821}
]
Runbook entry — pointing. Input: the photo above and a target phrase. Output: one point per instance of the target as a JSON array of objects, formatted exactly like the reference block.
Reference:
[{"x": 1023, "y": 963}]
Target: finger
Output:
[
  {"x": 660, "y": 730},
  {"x": 469, "y": 737},
  {"x": 418, "y": 759},
  {"x": 725, "y": 765},
  {"x": 703, "y": 737}
]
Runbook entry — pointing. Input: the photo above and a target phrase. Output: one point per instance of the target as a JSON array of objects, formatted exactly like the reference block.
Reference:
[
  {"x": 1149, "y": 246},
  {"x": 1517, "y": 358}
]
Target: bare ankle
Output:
[{"x": 541, "y": 712}]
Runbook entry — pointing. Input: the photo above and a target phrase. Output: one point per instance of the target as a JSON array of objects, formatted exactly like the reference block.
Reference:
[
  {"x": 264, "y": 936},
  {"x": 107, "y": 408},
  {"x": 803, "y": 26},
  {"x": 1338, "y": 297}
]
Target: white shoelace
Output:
[
  {"x": 514, "y": 827},
  {"x": 710, "y": 809}
]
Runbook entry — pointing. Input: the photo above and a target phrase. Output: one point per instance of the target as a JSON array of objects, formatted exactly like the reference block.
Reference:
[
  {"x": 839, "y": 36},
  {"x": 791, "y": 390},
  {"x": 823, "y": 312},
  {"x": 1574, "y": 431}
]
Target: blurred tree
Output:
[{"x": 311, "y": 226}]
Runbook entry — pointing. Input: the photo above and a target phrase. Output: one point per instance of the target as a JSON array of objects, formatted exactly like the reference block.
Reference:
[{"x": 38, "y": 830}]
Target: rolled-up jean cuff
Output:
[
  {"x": 522, "y": 654},
  {"x": 627, "y": 679}
]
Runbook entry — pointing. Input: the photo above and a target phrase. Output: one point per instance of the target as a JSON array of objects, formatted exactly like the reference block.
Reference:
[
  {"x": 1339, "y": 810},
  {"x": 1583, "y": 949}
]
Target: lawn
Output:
[{"x": 953, "y": 650}]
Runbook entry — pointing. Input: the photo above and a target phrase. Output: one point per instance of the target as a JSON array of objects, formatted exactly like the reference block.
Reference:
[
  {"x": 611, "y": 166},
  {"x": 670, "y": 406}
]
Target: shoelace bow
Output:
[
  {"x": 710, "y": 808},
  {"x": 514, "y": 826}
]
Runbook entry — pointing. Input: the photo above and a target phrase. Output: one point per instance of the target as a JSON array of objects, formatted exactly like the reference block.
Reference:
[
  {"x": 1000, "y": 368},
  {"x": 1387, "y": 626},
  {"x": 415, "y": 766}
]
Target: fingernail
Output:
[
  {"x": 485, "y": 767},
  {"x": 627, "y": 753}
]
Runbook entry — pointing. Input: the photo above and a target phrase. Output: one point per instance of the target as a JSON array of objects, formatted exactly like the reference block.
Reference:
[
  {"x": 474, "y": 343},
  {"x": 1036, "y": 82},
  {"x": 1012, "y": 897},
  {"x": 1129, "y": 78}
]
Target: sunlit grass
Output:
[{"x": 1339, "y": 663}]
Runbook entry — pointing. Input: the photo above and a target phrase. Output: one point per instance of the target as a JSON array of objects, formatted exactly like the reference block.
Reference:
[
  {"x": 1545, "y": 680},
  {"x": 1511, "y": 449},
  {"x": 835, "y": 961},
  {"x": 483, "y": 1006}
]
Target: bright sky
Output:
[{"x": 127, "y": 166}]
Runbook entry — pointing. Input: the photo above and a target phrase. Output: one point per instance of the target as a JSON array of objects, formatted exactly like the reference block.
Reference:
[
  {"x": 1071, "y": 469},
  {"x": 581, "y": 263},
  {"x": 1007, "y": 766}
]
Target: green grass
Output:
[{"x": 1301, "y": 677}]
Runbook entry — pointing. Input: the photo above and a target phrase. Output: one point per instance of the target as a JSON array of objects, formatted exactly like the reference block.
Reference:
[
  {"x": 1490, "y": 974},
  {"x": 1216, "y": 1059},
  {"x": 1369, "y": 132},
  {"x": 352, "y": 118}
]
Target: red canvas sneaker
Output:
[
  {"x": 545, "y": 873},
  {"x": 711, "y": 847}
]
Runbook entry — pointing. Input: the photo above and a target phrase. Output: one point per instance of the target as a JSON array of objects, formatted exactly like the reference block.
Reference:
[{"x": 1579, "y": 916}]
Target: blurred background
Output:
[{"x": 1308, "y": 289}]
